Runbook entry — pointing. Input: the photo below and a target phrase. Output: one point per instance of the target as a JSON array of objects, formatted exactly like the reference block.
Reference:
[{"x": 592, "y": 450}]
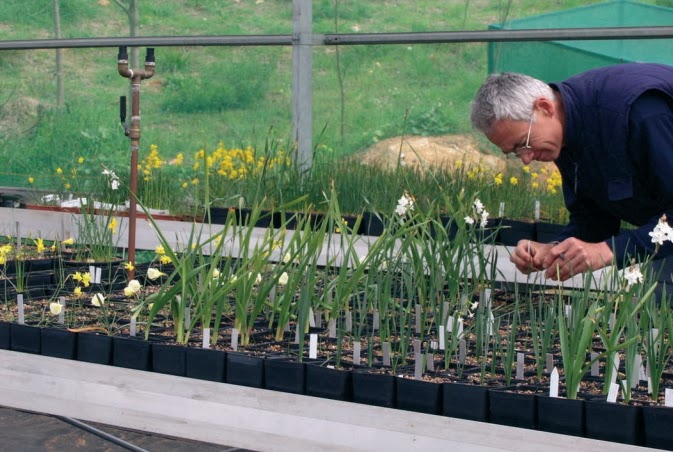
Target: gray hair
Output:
[{"x": 507, "y": 96}]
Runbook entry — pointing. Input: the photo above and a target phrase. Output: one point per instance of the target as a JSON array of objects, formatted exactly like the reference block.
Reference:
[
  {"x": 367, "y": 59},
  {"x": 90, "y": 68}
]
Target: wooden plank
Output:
[{"x": 247, "y": 417}]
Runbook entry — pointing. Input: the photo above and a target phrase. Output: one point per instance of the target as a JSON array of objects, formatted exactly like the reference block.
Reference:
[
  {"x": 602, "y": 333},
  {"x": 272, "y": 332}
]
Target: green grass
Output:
[{"x": 203, "y": 95}]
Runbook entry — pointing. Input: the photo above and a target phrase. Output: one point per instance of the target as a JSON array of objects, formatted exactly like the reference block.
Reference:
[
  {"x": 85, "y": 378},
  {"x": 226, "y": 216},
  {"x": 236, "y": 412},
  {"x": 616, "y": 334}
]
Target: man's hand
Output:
[
  {"x": 529, "y": 256},
  {"x": 573, "y": 256}
]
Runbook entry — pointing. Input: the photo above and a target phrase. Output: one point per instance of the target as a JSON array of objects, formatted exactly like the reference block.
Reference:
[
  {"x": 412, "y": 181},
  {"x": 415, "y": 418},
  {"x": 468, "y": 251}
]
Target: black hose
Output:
[{"x": 101, "y": 434}]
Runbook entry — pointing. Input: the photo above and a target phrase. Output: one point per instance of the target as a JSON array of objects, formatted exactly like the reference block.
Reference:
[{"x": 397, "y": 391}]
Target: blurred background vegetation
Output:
[{"x": 206, "y": 98}]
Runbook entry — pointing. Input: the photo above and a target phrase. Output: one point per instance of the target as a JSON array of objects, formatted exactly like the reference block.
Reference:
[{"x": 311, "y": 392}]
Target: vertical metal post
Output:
[
  {"x": 133, "y": 133},
  {"x": 302, "y": 80}
]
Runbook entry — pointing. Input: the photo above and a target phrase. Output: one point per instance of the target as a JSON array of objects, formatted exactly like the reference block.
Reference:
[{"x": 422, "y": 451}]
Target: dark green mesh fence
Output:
[{"x": 556, "y": 60}]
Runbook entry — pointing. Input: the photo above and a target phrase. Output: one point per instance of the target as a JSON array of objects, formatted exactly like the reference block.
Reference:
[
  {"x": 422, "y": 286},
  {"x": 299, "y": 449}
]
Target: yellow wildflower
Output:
[
  {"x": 80, "y": 160},
  {"x": 513, "y": 180},
  {"x": 113, "y": 225},
  {"x": 77, "y": 292},
  {"x": 129, "y": 266},
  {"x": 160, "y": 250},
  {"x": 86, "y": 279},
  {"x": 31, "y": 179},
  {"x": 165, "y": 260},
  {"x": 526, "y": 169},
  {"x": 59, "y": 170}
]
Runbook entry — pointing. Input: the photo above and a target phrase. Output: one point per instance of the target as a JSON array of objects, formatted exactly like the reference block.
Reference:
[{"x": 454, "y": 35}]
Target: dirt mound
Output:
[
  {"x": 442, "y": 151},
  {"x": 435, "y": 151}
]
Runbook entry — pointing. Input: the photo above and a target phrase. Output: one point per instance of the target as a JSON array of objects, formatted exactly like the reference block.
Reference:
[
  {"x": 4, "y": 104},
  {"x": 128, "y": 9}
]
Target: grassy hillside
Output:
[{"x": 200, "y": 97}]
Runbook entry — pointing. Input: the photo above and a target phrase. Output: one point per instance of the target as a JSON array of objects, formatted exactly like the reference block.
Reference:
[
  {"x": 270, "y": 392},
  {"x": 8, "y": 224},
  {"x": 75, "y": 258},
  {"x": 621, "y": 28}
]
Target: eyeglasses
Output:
[{"x": 521, "y": 150}]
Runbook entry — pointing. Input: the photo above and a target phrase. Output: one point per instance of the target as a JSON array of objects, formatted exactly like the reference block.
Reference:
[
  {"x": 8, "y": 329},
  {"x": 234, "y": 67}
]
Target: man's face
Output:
[{"x": 539, "y": 139}]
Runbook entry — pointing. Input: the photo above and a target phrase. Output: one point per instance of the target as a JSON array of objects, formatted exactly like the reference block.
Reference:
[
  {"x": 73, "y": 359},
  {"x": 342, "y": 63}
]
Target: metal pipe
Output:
[
  {"x": 556, "y": 34},
  {"x": 133, "y": 132},
  {"x": 101, "y": 434}
]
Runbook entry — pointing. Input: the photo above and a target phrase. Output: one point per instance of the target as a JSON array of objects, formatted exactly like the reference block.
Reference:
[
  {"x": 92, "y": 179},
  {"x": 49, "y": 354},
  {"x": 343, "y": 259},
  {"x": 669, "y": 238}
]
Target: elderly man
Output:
[{"x": 610, "y": 133}]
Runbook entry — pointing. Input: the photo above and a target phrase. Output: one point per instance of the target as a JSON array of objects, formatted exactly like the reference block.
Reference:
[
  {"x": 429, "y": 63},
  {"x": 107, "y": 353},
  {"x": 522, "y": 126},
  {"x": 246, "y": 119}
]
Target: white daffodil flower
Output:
[
  {"x": 633, "y": 276},
  {"x": 484, "y": 219},
  {"x": 404, "y": 204},
  {"x": 132, "y": 288},
  {"x": 98, "y": 300},
  {"x": 153, "y": 273},
  {"x": 284, "y": 277},
  {"x": 55, "y": 308},
  {"x": 469, "y": 220},
  {"x": 478, "y": 206}
]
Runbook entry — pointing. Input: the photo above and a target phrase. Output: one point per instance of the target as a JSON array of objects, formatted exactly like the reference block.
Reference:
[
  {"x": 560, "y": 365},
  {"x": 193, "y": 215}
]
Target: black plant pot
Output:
[
  {"x": 131, "y": 353},
  {"x": 328, "y": 383},
  {"x": 205, "y": 364},
  {"x": 39, "y": 279},
  {"x": 658, "y": 423},
  {"x": 94, "y": 348},
  {"x": 613, "y": 422},
  {"x": 245, "y": 370},
  {"x": 374, "y": 388},
  {"x": 5, "y": 335},
  {"x": 418, "y": 395},
  {"x": 515, "y": 409},
  {"x": 281, "y": 374},
  {"x": 512, "y": 231},
  {"x": 25, "y": 338},
  {"x": 371, "y": 225},
  {"x": 465, "y": 401},
  {"x": 168, "y": 359},
  {"x": 560, "y": 415},
  {"x": 59, "y": 343}
]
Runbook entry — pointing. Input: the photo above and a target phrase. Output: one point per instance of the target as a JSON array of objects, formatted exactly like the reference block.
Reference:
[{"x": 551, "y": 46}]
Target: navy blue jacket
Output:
[{"x": 617, "y": 158}]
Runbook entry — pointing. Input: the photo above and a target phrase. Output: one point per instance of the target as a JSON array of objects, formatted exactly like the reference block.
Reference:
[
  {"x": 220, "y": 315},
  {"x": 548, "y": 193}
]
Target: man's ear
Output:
[{"x": 544, "y": 106}]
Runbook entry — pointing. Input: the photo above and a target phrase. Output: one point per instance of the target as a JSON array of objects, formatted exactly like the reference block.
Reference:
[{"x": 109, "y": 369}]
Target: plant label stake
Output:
[
  {"x": 297, "y": 334},
  {"x": 133, "y": 132},
  {"x": 418, "y": 366},
  {"x": 553, "y": 383},
  {"x": 234, "y": 339},
  {"x": 417, "y": 347},
  {"x": 188, "y": 317},
  {"x": 519, "y": 366},
  {"x": 668, "y": 397},
  {"x": 311, "y": 318},
  {"x": 594, "y": 364},
  {"x": 205, "y": 339},
  {"x": 356, "y": 352},
  {"x": 550, "y": 362},
  {"x": 430, "y": 361},
  {"x": 537, "y": 210},
  {"x": 331, "y": 328},
  {"x": 612, "y": 394},
  {"x": 318, "y": 318},
  {"x": 462, "y": 351},
  {"x": 442, "y": 339},
  {"x": 313, "y": 346},
  {"x": 349, "y": 321},
  {"x": 132, "y": 327},
  {"x": 19, "y": 304},
  {"x": 386, "y": 353},
  {"x": 375, "y": 320},
  {"x": 642, "y": 375},
  {"x": 501, "y": 210}
]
